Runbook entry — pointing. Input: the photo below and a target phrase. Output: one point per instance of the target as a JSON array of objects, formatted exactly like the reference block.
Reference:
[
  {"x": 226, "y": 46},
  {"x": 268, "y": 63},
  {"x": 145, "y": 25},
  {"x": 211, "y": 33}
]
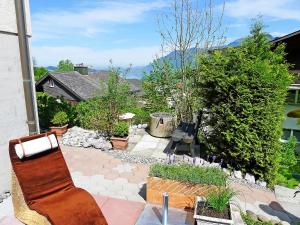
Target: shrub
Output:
[
  {"x": 287, "y": 156},
  {"x": 141, "y": 115},
  {"x": 60, "y": 119},
  {"x": 92, "y": 115},
  {"x": 48, "y": 106},
  {"x": 189, "y": 173},
  {"x": 244, "y": 89},
  {"x": 121, "y": 129},
  {"x": 220, "y": 199},
  {"x": 288, "y": 164}
]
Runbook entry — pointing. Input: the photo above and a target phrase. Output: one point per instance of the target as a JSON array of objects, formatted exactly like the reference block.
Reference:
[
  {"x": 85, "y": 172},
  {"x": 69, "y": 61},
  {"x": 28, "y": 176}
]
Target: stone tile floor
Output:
[{"x": 115, "y": 183}]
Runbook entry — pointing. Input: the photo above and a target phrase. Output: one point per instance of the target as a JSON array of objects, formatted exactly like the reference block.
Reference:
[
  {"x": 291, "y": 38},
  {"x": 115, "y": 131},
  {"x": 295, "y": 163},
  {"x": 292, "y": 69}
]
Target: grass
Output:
[
  {"x": 190, "y": 174},
  {"x": 219, "y": 200}
]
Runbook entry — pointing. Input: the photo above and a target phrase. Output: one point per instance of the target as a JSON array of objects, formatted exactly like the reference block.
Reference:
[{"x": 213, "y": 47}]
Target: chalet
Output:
[
  {"x": 76, "y": 86},
  {"x": 291, "y": 126}
]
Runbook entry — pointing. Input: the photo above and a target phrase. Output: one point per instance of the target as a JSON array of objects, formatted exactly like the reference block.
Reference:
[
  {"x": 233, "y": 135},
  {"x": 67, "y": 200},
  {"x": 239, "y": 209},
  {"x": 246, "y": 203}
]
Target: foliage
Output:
[
  {"x": 39, "y": 72},
  {"x": 102, "y": 113},
  {"x": 189, "y": 173},
  {"x": 250, "y": 221},
  {"x": 115, "y": 97},
  {"x": 120, "y": 129},
  {"x": 64, "y": 66},
  {"x": 49, "y": 106},
  {"x": 60, "y": 118},
  {"x": 141, "y": 115},
  {"x": 244, "y": 89},
  {"x": 92, "y": 115},
  {"x": 287, "y": 155},
  {"x": 158, "y": 86},
  {"x": 220, "y": 199},
  {"x": 288, "y": 164}
]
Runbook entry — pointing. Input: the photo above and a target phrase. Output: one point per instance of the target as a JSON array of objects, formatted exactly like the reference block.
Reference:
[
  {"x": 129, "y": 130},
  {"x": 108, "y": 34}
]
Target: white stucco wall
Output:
[{"x": 12, "y": 102}]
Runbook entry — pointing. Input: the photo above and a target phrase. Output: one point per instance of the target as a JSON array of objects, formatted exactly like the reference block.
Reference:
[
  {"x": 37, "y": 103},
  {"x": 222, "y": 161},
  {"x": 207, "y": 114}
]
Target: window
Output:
[
  {"x": 286, "y": 134},
  {"x": 291, "y": 96},
  {"x": 51, "y": 83},
  {"x": 296, "y": 133}
]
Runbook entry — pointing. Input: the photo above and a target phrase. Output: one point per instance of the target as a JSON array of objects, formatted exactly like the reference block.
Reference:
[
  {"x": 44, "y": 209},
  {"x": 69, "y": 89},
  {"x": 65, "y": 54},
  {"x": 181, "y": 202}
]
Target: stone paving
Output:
[{"x": 115, "y": 183}]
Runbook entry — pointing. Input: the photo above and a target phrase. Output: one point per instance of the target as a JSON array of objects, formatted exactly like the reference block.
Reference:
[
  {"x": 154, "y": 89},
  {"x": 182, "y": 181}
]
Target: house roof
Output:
[
  {"x": 283, "y": 38},
  {"x": 76, "y": 83},
  {"x": 102, "y": 76},
  {"x": 84, "y": 86}
]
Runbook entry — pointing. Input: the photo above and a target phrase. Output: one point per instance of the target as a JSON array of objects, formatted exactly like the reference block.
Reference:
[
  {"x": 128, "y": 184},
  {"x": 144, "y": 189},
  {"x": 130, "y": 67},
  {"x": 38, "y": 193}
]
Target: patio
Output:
[{"x": 119, "y": 187}]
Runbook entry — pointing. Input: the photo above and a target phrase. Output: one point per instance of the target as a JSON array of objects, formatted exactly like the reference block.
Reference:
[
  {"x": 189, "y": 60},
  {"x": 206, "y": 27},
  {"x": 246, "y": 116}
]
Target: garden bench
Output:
[{"x": 185, "y": 133}]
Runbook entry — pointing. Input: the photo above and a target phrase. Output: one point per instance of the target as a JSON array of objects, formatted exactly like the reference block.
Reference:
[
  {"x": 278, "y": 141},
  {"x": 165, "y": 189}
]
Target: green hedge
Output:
[{"x": 189, "y": 173}]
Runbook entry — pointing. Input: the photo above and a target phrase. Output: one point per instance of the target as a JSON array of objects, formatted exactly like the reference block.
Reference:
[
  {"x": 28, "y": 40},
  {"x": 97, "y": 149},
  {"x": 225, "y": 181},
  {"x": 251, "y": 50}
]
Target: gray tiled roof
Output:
[{"x": 80, "y": 84}]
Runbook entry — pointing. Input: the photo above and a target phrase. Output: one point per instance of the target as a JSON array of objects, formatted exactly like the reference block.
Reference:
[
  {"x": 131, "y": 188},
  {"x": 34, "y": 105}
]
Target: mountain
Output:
[
  {"x": 51, "y": 67},
  {"x": 173, "y": 58}
]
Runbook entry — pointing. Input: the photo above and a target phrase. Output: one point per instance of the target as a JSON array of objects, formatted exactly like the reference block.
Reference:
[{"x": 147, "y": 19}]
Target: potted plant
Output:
[
  {"x": 60, "y": 121},
  {"x": 120, "y": 135},
  {"x": 183, "y": 183},
  {"x": 215, "y": 208}
]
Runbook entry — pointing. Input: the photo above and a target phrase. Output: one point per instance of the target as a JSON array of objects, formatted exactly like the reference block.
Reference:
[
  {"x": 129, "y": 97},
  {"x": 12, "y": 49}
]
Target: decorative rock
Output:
[
  {"x": 251, "y": 214},
  {"x": 139, "y": 126},
  {"x": 237, "y": 174},
  {"x": 274, "y": 222},
  {"x": 284, "y": 223},
  {"x": 78, "y": 137},
  {"x": 226, "y": 171},
  {"x": 144, "y": 125},
  {"x": 250, "y": 178},
  {"x": 262, "y": 218},
  {"x": 261, "y": 183},
  {"x": 216, "y": 165}
]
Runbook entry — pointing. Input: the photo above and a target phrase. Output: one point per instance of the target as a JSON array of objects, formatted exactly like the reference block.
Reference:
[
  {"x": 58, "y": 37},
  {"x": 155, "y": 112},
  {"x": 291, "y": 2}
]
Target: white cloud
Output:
[
  {"x": 138, "y": 56},
  {"x": 275, "y": 9},
  {"x": 89, "y": 19},
  {"x": 278, "y": 34}
]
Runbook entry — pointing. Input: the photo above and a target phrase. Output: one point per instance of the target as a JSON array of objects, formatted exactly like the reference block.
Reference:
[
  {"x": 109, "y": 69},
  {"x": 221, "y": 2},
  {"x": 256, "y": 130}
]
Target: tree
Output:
[
  {"x": 65, "y": 65},
  {"x": 244, "y": 89},
  {"x": 39, "y": 72},
  {"x": 191, "y": 26}
]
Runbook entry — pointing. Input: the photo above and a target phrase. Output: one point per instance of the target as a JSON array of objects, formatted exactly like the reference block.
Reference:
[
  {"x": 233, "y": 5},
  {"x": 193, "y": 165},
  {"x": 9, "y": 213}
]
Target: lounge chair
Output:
[{"x": 43, "y": 192}]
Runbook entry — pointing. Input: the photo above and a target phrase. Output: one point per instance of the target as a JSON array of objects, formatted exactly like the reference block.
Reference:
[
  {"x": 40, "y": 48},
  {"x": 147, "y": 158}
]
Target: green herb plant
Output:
[
  {"x": 190, "y": 174},
  {"x": 121, "y": 129},
  {"x": 220, "y": 199},
  {"x": 60, "y": 119}
]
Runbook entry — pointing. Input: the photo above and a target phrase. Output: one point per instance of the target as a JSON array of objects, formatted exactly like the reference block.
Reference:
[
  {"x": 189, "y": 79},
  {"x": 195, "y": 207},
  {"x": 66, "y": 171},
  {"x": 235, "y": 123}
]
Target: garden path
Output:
[{"x": 114, "y": 183}]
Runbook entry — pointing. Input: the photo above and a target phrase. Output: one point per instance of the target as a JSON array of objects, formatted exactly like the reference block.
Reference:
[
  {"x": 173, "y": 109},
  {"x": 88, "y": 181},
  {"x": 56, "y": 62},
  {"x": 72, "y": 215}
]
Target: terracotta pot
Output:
[
  {"x": 59, "y": 130},
  {"x": 119, "y": 143},
  {"x": 206, "y": 220},
  {"x": 181, "y": 195}
]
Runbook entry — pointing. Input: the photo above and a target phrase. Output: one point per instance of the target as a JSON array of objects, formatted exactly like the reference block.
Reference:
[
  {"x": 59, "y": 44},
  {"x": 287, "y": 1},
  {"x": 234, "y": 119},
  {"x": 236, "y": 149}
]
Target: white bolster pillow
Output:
[{"x": 36, "y": 146}]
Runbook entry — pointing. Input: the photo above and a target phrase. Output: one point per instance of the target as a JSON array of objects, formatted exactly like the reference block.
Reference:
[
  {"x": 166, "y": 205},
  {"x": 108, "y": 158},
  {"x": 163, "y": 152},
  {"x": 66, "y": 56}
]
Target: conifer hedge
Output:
[{"x": 244, "y": 90}]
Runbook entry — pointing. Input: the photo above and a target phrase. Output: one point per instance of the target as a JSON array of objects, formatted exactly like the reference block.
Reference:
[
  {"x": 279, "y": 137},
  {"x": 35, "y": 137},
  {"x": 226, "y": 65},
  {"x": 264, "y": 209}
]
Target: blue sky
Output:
[{"x": 95, "y": 31}]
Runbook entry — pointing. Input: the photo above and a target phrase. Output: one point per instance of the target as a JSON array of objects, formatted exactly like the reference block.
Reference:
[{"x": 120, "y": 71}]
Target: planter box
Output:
[
  {"x": 181, "y": 195},
  {"x": 59, "y": 130},
  {"x": 206, "y": 220},
  {"x": 119, "y": 143}
]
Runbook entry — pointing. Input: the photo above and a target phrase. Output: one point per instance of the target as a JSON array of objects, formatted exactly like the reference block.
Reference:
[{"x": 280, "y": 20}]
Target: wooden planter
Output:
[
  {"x": 181, "y": 195},
  {"x": 119, "y": 143},
  {"x": 205, "y": 220},
  {"x": 59, "y": 130}
]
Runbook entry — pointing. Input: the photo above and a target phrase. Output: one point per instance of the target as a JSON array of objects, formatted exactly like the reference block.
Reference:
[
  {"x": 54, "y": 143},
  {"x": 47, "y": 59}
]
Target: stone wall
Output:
[{"x": 12, "y": 102}]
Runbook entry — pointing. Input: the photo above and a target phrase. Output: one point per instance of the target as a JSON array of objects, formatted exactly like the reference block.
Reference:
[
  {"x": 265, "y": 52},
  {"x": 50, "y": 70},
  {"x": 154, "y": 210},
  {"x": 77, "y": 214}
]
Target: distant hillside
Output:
[{"x": 173, "y": 57}]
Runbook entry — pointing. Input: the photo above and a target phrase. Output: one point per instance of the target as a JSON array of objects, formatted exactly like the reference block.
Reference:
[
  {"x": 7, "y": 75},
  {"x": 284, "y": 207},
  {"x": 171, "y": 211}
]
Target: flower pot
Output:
[
  {"x": 59, "y": 130},
  {"x": 119, "y": 143},
  {"x": 207, "y": 220}
]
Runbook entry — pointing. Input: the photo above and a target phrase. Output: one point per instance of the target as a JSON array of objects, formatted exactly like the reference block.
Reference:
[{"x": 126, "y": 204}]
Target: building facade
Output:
[{"x": 18, "y": 111}]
